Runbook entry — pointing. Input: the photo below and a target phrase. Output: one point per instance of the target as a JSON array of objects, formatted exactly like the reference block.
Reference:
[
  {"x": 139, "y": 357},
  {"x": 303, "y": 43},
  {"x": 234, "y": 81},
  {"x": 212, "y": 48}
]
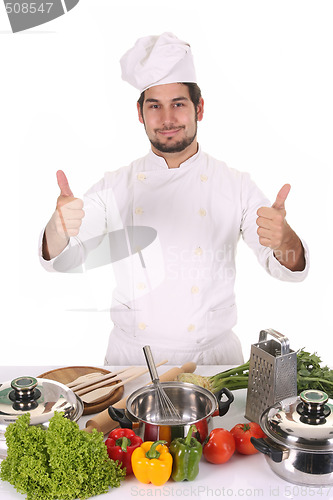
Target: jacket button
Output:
[
  {"x": 194, "y": 289},
  {"x": 202, "y": 212},
  {"x": 138, "y": 211},
  {"x": 203, "y": 177},
  {"x": 141, "y": 177},
  {"x": 142, "y": 326},
  {"x": 141, "y": 286},
  {"x": 198, "y": 251},
  {"x": 190, "y": 328}
]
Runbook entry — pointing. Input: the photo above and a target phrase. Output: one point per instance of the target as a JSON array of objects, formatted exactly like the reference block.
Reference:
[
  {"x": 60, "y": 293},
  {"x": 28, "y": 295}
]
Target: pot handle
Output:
[
  {"x": 261, "y": 445},
  {"x": 224, "y": 405},
  {"x": 118, "y": 415}
]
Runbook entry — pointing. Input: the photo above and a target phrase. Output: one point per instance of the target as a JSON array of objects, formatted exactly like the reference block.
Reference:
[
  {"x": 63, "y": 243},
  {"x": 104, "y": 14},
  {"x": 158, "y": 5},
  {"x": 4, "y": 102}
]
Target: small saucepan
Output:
[
  {"x": 195, "y": 405},
  {"x": 299, "y": 443}
]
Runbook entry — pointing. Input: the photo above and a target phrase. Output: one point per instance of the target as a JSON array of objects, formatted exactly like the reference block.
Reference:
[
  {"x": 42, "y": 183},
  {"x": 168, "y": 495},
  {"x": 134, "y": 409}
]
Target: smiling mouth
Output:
[{"x": 169, "y": 132}]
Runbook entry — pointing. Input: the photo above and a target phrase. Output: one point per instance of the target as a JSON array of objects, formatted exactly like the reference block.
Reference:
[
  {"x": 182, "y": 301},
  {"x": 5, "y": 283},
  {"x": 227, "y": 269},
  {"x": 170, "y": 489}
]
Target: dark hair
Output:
[{"x": 194, "y": 91}]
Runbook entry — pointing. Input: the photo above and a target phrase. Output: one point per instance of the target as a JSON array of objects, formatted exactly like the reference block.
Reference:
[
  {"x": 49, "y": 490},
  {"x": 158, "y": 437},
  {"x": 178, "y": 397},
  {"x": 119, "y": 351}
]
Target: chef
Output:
[{"x": 170, "y": 223}]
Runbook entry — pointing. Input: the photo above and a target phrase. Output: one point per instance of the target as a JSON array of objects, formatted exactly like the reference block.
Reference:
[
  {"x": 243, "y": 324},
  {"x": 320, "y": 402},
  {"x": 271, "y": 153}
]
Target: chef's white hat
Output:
[{"x": 155, "y": 60}]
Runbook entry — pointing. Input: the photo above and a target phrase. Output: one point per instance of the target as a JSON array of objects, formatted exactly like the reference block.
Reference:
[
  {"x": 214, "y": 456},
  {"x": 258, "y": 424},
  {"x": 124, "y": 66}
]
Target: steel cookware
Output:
[
  {"x": 165, "y": 407},
  {"x": 194, "y": 404},
  {"x": 40, "y": 397},
  {"x": 299, "y": 443},
  {"x": 272, "y": 373}
]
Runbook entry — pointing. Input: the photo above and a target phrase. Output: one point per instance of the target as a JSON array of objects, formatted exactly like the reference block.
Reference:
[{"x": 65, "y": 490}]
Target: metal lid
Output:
[
  {"x": 40, "y": 397},
  {"x": 304, "y": 423}
]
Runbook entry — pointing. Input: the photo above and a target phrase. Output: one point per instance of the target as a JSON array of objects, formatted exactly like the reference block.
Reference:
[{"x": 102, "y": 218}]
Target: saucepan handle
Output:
[
  {"x": 266, "y": 448},
  {"x": 224, "y": 405},
  {"x": 118, "y": 415}
]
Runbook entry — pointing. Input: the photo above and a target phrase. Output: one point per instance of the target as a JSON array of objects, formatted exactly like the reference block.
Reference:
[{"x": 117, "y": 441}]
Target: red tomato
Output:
[
  {"x": 219, "y": 446},
  {"x": 242, "y": 434}
]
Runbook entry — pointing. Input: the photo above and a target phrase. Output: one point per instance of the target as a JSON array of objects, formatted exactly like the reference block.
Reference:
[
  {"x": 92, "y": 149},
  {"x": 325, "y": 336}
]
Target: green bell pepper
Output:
[{"x": 186, "y": 454}]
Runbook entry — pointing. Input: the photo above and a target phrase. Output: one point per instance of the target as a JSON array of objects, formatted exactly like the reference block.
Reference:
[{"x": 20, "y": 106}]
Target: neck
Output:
[{"x": 174, "y": 160}]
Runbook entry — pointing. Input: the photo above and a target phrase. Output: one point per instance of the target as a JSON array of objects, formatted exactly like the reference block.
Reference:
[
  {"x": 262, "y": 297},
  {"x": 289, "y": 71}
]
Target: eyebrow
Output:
[{"x": 175, "y": 99}]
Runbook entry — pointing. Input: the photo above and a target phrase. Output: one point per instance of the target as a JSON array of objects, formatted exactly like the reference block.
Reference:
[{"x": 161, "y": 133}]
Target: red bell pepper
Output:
[{"x": 120, "y": 445}]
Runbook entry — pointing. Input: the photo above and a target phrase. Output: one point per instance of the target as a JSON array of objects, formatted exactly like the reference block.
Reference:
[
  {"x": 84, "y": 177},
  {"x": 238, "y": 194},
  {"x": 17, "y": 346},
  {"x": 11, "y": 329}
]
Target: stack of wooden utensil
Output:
[{"x": 91, "y": 388}]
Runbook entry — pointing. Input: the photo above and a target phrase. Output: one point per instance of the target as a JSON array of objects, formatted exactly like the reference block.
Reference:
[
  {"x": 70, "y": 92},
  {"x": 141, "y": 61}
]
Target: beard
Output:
[{"x": 176, "y": 147}]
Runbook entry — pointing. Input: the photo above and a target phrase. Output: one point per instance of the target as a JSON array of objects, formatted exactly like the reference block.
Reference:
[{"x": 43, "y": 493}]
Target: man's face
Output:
[{"x": 169, "y": 117}]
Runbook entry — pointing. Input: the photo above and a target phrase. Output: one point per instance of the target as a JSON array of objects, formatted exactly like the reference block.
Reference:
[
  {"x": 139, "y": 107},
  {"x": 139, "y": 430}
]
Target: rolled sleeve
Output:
[
  {"x": 70, "y": 259},
  {"x": 279, "y": 271}
]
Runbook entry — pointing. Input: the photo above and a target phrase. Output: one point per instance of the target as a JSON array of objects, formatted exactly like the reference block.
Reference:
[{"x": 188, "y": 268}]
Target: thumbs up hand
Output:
[
  {"x": 65, "y": 221},
  {"x": 274, "y": 232},
  {"x": 69, "y": 210},
  {"x": 273, "y": 229}
]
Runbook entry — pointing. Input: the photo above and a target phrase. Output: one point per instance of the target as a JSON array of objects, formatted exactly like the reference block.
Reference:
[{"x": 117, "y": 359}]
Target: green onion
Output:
[{"x": 310, "y": 375}]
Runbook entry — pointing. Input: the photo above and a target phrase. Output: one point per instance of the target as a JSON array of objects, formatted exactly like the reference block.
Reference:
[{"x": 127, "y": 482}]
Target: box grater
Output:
[{"x": 272, "y": 373}]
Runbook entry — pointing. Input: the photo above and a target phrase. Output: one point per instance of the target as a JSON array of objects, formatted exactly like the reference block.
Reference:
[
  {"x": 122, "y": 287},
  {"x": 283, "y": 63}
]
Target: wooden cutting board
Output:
[{"x": 69, "y": 373}]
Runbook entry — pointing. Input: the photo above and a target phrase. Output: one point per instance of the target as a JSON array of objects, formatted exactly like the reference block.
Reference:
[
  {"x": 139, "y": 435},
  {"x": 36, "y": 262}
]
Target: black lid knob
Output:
[
  {"x": 25, "y": 393},
  {"x": 313, "y": 408}
]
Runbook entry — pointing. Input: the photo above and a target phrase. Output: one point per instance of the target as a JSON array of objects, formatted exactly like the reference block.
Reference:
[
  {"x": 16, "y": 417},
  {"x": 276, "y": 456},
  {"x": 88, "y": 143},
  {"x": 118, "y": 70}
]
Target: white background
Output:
[{"x": 265, "y": 70}]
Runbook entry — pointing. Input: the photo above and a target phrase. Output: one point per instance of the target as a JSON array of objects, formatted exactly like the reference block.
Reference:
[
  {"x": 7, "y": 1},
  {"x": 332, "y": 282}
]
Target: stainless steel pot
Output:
[
  {"x": 299, "y": 443},
  {"x": 40, "y": 397},
  {"x": 194, "y": 404}
]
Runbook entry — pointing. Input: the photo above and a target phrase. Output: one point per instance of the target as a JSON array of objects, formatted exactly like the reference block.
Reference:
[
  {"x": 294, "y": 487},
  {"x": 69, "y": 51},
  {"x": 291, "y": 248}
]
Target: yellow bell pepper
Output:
[{"x": 152, "y": 462}]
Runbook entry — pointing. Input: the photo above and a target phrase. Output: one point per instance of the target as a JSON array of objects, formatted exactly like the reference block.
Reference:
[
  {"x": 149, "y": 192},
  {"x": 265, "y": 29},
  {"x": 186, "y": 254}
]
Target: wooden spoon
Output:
[
  {"x": 101, "y": 393},
  {"x": 84, "y": 378}
]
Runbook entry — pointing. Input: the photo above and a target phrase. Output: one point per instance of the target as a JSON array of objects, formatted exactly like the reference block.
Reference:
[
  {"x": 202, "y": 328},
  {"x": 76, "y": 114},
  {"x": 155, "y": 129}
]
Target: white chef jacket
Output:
[{"x": 177, "y": 293}]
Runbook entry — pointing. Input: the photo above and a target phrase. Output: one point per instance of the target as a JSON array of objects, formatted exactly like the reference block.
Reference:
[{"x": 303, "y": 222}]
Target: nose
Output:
[{"x": 168, "y": 117}]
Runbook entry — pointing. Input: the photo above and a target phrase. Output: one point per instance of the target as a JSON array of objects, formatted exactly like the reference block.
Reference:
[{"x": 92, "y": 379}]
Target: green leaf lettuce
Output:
[{"x": 60, "y": 462}]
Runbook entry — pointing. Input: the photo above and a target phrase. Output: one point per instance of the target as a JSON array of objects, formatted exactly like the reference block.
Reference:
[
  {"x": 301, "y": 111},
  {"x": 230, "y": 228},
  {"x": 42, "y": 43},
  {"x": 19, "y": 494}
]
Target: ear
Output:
[
  {"x": 139, "y": 113},
  {"x": 200, "y": 109}
]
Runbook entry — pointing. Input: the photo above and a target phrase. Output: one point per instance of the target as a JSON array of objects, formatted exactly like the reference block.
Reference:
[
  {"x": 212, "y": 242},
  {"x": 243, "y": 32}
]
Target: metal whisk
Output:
[{"x": 165, "y": 411}]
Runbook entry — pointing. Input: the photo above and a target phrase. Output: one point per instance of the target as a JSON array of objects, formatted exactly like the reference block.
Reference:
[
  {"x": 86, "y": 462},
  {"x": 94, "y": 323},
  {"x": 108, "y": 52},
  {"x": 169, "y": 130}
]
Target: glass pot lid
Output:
[
  {"x": 40, "y": 397},
  {"x": 304, "y": 423}
]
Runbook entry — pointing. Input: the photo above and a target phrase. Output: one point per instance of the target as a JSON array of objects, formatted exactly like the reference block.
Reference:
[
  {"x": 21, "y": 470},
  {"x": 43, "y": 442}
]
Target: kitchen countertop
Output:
[{"x": 241, "y": 477}]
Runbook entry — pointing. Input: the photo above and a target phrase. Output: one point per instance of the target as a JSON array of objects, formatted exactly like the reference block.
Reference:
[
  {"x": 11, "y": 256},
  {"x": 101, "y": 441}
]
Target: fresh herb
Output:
[
  {"x": 310, "y": 375},
  {"x": 60, "y": 462}
]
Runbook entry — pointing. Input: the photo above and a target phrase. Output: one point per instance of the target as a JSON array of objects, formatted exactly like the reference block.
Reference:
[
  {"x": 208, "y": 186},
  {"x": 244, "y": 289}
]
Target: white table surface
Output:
[{"x": 241, "y": 477}]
